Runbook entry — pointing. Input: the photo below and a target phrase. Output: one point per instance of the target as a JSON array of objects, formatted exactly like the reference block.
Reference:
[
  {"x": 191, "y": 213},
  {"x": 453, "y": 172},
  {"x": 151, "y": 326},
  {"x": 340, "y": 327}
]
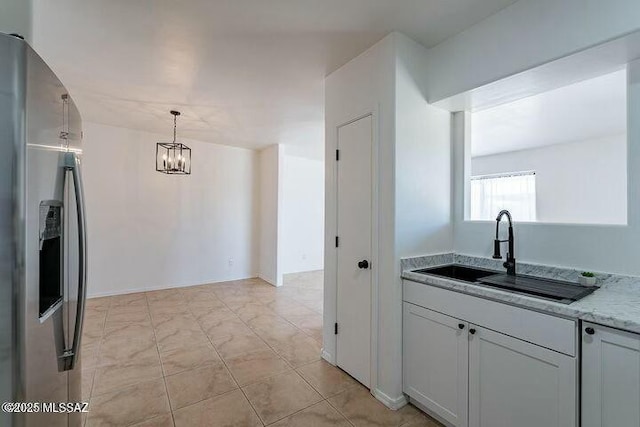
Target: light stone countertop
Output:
[{"x": 615, "y": 303}]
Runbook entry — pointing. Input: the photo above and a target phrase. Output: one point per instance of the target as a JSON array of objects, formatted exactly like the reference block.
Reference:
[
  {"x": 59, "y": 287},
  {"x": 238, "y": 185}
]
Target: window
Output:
[
  {"x": 515, "y": 192},
  {"x": 573, "y": 136}
]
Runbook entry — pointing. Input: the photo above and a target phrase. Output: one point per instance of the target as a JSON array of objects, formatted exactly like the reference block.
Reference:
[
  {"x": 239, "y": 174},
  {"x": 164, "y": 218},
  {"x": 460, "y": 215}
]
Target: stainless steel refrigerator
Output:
[{"x": 42, "y": 238}]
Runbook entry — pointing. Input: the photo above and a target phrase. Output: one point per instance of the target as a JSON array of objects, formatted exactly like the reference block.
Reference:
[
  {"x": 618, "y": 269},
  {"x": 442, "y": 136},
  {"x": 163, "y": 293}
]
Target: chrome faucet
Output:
[{"x": 510, "y": 263}]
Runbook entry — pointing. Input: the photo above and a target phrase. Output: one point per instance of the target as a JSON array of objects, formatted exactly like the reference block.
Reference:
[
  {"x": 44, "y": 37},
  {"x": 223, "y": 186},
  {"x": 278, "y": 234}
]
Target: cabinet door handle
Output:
[
  {"x": 590, "y": 331},
  {"x": 460, "y": 325},
  {"x": 472, "y": 331}
]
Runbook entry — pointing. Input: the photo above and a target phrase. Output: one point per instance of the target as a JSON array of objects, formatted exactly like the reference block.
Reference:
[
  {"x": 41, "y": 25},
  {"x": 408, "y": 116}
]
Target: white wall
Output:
[
  {"x": 16, "y": 17},
  {"x": 363, "y": 86},
  {"x": 411, "y": 190},
  {"x": 522, "y": 36},
  {"x": 148, "y": 230},
  {"x": 422, "y": 185},
  {"x": 583, "y": 182},
  {"x": 270, "y": 213},
  {"x": 302, "y": 247},
  {"x": 422, "y": 159},
  {"x": 525, "y": 35}
]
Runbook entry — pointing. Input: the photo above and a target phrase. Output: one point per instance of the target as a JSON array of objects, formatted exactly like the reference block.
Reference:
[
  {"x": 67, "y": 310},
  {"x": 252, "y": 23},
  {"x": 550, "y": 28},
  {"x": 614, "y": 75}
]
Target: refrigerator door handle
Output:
[{"x": 72, "y": 164}]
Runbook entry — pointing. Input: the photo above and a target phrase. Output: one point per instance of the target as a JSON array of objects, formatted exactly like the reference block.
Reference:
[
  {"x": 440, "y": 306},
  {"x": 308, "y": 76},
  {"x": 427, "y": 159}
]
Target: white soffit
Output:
[
  {"x": 247, "y": 73},
  {"x": 590, "y": 109}
]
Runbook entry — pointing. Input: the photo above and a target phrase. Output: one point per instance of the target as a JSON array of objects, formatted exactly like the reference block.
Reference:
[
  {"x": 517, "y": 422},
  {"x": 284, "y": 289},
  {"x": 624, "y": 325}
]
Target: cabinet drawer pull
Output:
[
  {"x": 472, "y": 331},
  {"x": 590, "y": 331},
  {"x": 460, "y": 325}
]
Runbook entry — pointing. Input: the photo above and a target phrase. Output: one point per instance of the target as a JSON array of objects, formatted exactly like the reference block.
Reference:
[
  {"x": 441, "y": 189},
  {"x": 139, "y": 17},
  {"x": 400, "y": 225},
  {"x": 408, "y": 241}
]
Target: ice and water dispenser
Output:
[{"x": 51, "y": 254}]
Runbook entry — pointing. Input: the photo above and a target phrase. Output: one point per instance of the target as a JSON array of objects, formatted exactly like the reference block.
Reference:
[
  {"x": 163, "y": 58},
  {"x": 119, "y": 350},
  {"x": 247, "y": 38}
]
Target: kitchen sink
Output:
[
  {"x": 551, "y": 290},
  {"x": 458, "y": 272}
]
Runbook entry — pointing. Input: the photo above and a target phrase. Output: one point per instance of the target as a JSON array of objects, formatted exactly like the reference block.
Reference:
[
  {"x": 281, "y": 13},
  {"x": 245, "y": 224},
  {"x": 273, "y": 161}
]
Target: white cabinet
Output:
[
  {"x": 610, "y": 377},
  {"x": 436, "y": 362},
  {"x": 517, "y": 369},
  {"x": 515, "y": 383}
]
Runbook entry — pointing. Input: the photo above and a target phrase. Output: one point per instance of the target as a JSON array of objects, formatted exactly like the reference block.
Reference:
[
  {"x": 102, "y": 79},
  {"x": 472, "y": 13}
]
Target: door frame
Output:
[{"x": 331, "y": 255}]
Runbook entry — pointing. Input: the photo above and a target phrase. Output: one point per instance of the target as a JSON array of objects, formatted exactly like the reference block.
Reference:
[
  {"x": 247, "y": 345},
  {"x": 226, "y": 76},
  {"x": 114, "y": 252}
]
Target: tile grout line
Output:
[
  {"x": 164, "y": 379},
  {"x": 293, "y": 369},
  {"x": 326, "y": 399},
  {"x": 243, "y": 291},
  {"x": 273, "y": 348},
  {"x": 164, "y": 373},
  {"x": 338, "y": 410},
  {"x": 281, "y": 317},
  {"x": 261, "y": 339},
  {"x": 329, "y": 397},
  {"x": 96, "y": 360},
  {"x": 225, "y": 363},
  {"x": 297, "y": 412}
]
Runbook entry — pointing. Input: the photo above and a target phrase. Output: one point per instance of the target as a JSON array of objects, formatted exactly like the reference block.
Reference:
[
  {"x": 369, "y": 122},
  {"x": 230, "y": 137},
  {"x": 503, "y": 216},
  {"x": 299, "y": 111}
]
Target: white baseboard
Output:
[
  {"x": 313, "y": 270},
  {"x": 328, "y": 357},
  {"x": 158, "y": 288},
  {"x": 270, "y": 281},
  {"x": 391, "y": 403},
  {"x": 428, "y": 412}
]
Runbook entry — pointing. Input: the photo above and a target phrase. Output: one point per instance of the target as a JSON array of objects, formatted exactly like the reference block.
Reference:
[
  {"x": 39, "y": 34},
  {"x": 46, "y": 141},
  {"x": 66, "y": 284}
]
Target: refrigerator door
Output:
[
  {"x": 11, "y": 225},
  {"x": 45, "y": 323}
]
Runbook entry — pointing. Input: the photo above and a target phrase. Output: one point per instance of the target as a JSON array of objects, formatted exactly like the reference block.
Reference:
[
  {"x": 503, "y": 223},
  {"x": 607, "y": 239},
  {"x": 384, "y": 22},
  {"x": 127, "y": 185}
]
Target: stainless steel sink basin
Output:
[
  {"x": 552, "y": 290},
  {"x": 458, "y": 272}
]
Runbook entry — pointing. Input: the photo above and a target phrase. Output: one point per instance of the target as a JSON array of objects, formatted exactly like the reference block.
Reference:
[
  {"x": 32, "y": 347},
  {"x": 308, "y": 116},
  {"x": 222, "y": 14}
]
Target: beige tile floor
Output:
[{"x": 228, "y": 354}]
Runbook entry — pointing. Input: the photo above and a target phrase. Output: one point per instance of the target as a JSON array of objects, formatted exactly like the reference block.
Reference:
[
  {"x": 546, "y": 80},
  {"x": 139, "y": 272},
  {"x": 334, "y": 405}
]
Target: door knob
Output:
[
  {"x": 590, "y": 331},
  {"x": 364, "y": 264},
  {"x": 472, "y": 331}
]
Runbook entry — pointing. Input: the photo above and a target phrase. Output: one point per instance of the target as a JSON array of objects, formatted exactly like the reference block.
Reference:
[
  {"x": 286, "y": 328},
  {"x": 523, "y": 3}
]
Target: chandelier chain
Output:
[
  {"x": 64, "y": 133},
  {"x": 174, "y": 127}
]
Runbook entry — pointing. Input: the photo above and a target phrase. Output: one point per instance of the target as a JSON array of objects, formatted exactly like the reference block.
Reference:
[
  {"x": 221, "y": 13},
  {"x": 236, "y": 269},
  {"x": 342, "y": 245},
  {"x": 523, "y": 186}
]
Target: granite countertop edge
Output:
[{"x": 605, "y": 306}]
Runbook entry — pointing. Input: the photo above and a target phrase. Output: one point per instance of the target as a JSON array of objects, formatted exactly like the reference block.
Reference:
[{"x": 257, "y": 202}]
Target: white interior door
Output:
[{"x": 353, "y": 352}]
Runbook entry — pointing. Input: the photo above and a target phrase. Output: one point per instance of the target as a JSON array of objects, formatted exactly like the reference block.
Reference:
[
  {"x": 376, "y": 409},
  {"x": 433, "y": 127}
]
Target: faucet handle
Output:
[
  {"x": 510, "y": 265},
  {"x": 496, "y": 249}
]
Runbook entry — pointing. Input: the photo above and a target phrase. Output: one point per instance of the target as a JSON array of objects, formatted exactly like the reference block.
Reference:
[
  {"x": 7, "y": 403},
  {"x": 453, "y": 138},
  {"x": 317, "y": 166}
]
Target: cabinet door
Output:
[
  {"x": 516, "y": 383},
  {"x": 610, "y": 377},
  {"x": 436, "y": 362}
]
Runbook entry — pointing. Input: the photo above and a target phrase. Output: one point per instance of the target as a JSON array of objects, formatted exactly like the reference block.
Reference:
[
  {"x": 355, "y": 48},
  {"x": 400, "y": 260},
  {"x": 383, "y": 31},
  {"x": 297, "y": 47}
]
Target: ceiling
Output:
[
  {"x": 589, "y": 109},
  {"x": 247, "y": 73}
]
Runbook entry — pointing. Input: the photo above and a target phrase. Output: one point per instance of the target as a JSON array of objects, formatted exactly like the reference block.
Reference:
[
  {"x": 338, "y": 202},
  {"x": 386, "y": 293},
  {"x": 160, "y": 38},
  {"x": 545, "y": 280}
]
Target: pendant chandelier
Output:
[{"x": 173, "y": 158}]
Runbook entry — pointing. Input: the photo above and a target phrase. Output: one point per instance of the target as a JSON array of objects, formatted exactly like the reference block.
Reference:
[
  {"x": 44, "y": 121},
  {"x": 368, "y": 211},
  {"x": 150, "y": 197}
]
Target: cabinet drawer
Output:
[{"x": 545, "y": 330}]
